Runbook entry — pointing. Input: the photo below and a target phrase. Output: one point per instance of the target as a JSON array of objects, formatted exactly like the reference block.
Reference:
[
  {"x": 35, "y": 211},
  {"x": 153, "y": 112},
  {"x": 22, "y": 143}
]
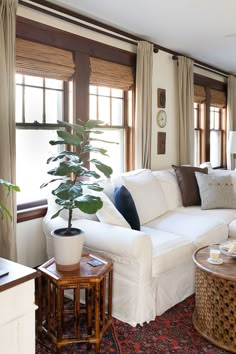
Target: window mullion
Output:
[
  {"x": 44, "y": 101},
  {"x": 110, "y": 99},
  {"x": 208, "y": 112},
  {"x": 23, "y": 100}
]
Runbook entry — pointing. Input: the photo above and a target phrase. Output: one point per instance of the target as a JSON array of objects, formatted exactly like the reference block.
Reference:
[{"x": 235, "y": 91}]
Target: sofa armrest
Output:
[{"x": 131, "y": 249}]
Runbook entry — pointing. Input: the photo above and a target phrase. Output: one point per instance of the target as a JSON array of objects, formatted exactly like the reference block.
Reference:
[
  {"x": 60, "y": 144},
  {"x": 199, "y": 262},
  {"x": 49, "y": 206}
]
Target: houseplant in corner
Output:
[
  {"x": 74, "y": 188},
  {"x": 10, "y": 187}
]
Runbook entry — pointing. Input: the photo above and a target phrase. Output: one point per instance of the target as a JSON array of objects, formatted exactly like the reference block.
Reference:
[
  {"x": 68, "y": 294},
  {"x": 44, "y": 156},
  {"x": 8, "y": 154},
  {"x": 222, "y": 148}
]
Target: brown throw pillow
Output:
[{"x": 188, "y": 184}]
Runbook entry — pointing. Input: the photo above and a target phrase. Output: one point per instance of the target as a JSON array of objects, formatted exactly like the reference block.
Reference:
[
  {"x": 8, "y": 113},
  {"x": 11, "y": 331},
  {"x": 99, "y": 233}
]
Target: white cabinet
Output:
[{"x": 17, "y": 309}]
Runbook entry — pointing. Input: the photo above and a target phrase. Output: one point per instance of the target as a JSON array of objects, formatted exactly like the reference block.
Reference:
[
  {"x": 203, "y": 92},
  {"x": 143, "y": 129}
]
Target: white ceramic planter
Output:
[{"x": 67, "y": 250}]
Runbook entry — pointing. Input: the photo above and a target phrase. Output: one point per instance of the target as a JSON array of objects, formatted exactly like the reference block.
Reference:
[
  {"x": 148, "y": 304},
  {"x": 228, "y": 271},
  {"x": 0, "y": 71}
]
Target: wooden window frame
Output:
[
  {"x": 83, "y": 49},
  {"x": 209, "y": 84}
]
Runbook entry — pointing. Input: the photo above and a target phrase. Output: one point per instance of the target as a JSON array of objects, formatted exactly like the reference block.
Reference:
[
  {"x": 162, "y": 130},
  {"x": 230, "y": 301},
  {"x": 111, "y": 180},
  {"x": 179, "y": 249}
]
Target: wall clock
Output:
[{"x": 161, "y": 118}]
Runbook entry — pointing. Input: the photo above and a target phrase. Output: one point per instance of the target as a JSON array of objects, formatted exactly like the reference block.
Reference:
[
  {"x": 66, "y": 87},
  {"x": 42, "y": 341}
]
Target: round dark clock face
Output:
[{"x": 161, "y": 118}]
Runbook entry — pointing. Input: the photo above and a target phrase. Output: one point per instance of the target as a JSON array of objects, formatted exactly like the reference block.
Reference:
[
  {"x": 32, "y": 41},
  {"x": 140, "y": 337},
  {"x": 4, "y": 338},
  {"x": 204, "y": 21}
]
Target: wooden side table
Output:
[
  {"x": 214, "y": 315},
  {"x": 75, "y": 321}
]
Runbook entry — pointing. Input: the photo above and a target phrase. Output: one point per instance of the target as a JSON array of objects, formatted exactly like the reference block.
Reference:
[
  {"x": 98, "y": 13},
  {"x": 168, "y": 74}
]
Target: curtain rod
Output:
[
  {"x": 87, "y": 23},
  {"x": 105, "y": 29},
  {"x": 200, "y": 64}
]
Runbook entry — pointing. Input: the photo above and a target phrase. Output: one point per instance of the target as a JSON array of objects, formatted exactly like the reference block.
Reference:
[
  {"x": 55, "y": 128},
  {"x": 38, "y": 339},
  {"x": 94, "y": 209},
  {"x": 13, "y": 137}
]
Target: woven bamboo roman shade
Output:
[
  {"x": 217, "y": 97},
  {"x": 106, "y": 73},
  {"x": 42, "y": 60},
  {"x": 199, "y": 93}
]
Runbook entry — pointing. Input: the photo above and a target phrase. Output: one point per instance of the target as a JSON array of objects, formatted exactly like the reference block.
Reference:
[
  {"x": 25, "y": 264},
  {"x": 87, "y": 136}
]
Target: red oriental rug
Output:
[{"x": 173, "y": 332}]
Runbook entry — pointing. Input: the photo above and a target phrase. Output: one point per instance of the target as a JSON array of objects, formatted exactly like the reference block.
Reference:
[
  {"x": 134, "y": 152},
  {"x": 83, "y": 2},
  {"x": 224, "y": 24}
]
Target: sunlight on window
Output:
[
  {"x": 115, "y": 151},
  {"x": 215, "y": 151},
  {"x": 53, "y": 111},
  {"x": 33, "y": 105},
  {"x": 33, "y": 150}
]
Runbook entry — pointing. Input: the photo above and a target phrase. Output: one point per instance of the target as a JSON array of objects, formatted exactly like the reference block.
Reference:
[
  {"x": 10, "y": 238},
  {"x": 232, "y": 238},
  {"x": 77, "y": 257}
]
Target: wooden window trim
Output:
[
  {"x": 31, "y": 214},
  {"x": 82, "y": 48},
  {"x": 210, "y": 84}
]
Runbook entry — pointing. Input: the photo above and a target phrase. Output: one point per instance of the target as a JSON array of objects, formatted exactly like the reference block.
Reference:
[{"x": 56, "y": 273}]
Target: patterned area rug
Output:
[{"x": 173, "y": 332}]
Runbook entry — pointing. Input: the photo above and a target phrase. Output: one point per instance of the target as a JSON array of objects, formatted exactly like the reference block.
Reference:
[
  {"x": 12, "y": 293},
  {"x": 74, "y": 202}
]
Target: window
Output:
[
  {"x": 110, "y": 105},
  {"x": 65, "y": 82},
  {"x": 39, "y": 104},
  {"x": 209, "y": 122}
]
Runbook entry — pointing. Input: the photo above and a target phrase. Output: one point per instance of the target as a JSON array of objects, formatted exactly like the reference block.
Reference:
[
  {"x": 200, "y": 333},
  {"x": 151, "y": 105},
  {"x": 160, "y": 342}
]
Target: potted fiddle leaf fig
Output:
[
  {"x": 75, "y": 181},
  {"x": 10, "y": 187}
]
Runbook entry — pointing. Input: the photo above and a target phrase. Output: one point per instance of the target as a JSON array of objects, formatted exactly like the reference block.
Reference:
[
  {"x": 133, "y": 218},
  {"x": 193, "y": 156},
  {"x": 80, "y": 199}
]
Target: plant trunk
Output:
[{"x": 69, "y": 221}]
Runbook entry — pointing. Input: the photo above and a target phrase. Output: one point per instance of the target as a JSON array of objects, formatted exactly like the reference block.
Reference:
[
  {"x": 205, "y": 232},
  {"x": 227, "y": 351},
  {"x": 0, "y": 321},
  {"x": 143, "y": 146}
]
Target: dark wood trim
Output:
[
  {"x": 208, "y": 82},
  {"x": 208, "y": 103},
  {"x": 110, "y": 31},
  {"x": 44, "y": 34},
  {"x": 30, "y": 205},
  {"x": 81, "y": 86},
  {"x": 101, "y": 27},
  {"x": 82, "y": 49},
  {"x": 30, "y": 214}
]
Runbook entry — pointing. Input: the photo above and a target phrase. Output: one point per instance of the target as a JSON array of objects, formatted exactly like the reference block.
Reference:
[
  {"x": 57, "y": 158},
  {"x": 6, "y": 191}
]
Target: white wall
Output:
[
  {"x": 31, "y": 247},
  {"x": 31, "y": 243},
  {"x": 165, "y": 77}
]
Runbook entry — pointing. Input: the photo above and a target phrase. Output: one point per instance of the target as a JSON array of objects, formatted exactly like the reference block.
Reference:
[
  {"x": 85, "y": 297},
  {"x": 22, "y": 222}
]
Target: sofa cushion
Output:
[
  {"x": 169, "y": 250},
  {"x": 126, "y": 206},
  {"x": 217, "y": 192},
  {"x": 188, "y": 184},
  {"x": 108, "y": 188},
  {"x": 224, "y": 215},
  {"x": 147, "y": 194},
  {"x": 199, "y": 229},
  {"x": 170, "y": 187},
  {"x": 109, "y": 214}
]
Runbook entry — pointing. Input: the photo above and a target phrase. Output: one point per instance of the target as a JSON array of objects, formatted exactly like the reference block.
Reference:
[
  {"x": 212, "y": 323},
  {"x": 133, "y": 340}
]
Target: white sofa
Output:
[{"x": 153, "y": 267}]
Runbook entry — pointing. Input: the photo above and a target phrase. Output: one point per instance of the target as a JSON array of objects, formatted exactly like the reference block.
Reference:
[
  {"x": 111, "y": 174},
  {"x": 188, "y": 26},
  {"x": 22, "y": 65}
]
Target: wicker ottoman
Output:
[{"x": 214, "y": 315}]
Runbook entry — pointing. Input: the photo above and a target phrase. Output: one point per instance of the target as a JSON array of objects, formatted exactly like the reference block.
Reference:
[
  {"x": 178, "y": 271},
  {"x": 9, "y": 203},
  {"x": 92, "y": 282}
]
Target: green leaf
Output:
[
  {"x": 95, "y": 187},
  {"x": 103, "y": 141},
  {"x": 10, "y": 186},
  {"x": 106, "y": 170},
  {"x": 61, "y": 155},
  {"x": 89, "y": 204},
  {"x": 53, "y": 180},
  {"x": 78, "y": 128},
  {"x": 69, "y": 138},
  {"x": 90, "y": 148},
  {"x": 5, "y": 211},
  {"x": 67, "y": 167},
  {"x": 93, "y": 174},
  {"x": 57, "y": 213},
  {"x": 91, "y": 124},
  {"x": 68, "y": 191},
  {"x": 57, "y": 142}
]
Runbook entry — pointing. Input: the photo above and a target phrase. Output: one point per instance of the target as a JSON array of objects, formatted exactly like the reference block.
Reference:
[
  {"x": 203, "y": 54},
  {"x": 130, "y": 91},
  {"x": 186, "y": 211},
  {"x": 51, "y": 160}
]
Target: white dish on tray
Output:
[
  {"x": 212, "y": 261},
  {"x": 224, "y": 248}
]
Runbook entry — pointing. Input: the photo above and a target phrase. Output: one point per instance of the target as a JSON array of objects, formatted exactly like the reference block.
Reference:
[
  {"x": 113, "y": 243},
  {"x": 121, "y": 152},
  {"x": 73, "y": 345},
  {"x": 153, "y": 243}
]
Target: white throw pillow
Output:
[
  {"x": 147, "y": 194},
  {"x": 216, "y": 192},
  {"x": 170, "y": 187},
  {"x": 109, "y": 214}
]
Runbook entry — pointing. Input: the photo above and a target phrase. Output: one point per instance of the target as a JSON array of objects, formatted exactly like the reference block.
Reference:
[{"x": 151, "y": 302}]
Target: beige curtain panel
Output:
[
  {"x": 143, "y": 114},
  {"x": 7, "y": 124},
  {"x": 186, "y": 112},
  {"x": 108, "y": 74},
  {"x": 41, "y": 60},
  {"x": 231, "y": 115}
]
